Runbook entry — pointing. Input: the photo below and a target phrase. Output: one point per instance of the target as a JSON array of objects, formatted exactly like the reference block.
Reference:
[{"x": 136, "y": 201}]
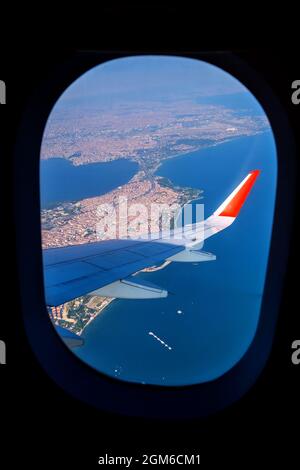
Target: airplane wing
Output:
[
  {"x": 72, "y": 271},
  {"x": 104, "y": 268}
]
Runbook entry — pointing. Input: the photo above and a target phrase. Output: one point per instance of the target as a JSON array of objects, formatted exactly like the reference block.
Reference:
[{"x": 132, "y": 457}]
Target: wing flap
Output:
[{"x": 82, "y": 269}]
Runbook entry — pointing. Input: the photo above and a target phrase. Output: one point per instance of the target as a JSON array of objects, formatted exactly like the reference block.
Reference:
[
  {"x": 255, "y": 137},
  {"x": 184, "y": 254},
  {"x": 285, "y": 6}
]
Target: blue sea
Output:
[
  {"x": 61, "y": 181},
  {"x": 211, "y": 316}
]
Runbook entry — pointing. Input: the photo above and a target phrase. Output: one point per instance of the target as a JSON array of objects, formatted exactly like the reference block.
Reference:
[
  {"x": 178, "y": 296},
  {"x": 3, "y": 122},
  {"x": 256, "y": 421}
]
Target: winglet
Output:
[{"x": 233, "y": 204}]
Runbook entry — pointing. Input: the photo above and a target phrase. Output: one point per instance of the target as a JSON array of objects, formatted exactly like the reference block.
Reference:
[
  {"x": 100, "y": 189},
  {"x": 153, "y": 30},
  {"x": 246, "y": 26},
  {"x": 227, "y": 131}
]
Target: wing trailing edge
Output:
[{"x": 127, "y": 289}]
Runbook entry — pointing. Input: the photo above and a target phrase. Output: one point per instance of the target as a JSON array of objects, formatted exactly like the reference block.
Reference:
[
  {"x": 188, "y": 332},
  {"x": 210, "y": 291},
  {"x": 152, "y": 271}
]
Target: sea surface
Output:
[
  {"x": 61, "y": 181},
  {"x": 211, "y": 315}
]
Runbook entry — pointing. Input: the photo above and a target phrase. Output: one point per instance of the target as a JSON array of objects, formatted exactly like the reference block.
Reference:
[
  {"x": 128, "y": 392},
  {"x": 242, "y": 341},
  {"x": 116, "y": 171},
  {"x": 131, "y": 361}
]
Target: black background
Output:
[{"x": 43, "y": 424}]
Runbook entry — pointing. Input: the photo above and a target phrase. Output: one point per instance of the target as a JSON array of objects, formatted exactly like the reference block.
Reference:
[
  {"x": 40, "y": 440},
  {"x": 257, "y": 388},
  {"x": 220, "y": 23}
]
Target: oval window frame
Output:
[{"x": 91, "y": 386}]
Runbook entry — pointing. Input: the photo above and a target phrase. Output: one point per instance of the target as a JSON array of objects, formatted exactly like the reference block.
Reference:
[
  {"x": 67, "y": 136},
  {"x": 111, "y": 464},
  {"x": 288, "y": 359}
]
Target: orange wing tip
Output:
[{"x": 234, "y": 206}]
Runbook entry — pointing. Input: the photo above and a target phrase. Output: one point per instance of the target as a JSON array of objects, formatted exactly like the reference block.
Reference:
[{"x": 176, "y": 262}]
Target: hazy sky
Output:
[{"x": 152, "y": 78}]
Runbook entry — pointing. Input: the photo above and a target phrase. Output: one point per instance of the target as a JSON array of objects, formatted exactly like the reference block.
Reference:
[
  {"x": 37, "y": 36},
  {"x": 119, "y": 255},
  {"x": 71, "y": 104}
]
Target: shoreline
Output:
[
  {"x": 205, "y": 146},
  {"x": 156, "y": 167},
  {"x": 102, "y": 308}
]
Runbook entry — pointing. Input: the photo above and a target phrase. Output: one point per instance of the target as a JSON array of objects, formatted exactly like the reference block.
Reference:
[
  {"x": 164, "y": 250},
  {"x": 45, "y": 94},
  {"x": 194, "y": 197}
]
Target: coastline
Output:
[
  {"x": 133, "y": 159},
  {"x": 101, "y": 309}
]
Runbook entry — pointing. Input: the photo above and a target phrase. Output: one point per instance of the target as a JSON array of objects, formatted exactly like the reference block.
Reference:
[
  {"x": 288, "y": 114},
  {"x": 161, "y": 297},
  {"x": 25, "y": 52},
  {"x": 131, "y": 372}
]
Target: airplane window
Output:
[{"x": 157, "y": 187}]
